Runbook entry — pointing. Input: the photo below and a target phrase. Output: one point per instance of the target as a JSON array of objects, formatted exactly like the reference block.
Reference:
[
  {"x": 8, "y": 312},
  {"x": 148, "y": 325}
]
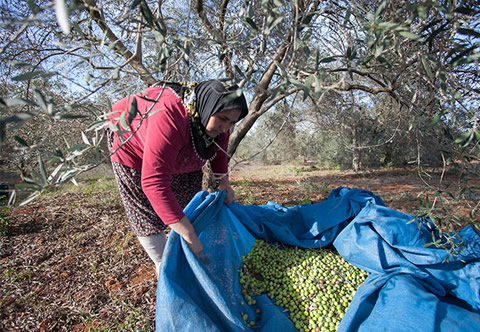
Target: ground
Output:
[{"x": 70, "y": 262}]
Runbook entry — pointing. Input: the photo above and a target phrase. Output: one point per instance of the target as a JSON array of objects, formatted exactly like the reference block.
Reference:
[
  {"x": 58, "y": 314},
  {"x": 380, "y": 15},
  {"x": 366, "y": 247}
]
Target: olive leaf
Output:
[
  {"x": 43, "y": 171},
  {"x": 62, "y": 16},
  {"x": 27, "y": 76},
  {"x": 21, "y": 141},
  {"x": 133, "y": 110}
]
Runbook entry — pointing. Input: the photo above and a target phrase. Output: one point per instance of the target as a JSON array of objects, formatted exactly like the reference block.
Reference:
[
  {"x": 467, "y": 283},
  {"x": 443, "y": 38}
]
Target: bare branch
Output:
[
  {"x": 227, "y": 62},
  {"x": 138, "y": 42},
  {"x": 15, "y": 36},
  {"x": 203, "y": 17},
  {"x": 119, "y": 47}
]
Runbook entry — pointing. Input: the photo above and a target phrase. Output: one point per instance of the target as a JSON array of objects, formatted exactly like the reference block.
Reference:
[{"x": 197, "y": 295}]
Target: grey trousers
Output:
[{"x": 154, "y": 245}]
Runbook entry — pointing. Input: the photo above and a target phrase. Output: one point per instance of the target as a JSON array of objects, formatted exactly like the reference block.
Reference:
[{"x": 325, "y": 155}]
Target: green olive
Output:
[{"x": 314, "y": 285}]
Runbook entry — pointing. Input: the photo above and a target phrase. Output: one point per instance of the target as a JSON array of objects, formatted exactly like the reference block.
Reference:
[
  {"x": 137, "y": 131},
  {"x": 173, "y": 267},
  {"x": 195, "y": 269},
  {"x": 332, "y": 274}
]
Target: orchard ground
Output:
[{"x": 68, "y": 261}]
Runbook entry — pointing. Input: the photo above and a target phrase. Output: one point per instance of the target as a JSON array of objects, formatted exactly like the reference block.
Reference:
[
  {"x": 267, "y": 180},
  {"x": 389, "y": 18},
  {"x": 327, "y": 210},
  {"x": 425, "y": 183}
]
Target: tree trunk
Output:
[
  {"x": 208, "y": 182},
  {"x": 255, "y": 111},
  {"x": 388, "y": 155},
  {"x": 355, "y": 151}
]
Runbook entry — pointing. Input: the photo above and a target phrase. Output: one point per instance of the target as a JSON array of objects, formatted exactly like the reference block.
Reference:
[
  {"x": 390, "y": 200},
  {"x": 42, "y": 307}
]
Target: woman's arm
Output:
[
  {"x": 184, "y": 228},
  {"x": 165, "y": 136}
]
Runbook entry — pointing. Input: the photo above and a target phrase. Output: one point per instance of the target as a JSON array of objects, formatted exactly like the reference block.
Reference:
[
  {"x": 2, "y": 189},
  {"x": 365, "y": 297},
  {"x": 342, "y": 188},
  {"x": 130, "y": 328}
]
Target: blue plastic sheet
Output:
[{"x": 409, "y": 288}]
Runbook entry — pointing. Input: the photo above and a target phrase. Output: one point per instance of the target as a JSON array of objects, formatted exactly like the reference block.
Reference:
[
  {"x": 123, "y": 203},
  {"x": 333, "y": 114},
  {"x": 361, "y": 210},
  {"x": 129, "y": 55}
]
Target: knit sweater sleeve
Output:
[{"x": 163, "y": 140}]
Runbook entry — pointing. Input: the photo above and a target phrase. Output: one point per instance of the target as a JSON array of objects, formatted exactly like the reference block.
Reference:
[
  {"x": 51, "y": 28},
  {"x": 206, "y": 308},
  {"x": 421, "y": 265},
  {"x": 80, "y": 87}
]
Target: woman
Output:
[{"x": 158, "y": 156}]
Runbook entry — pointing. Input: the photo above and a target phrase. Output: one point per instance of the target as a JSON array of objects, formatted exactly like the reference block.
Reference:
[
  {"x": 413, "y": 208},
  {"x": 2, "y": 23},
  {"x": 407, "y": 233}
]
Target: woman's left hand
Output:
[
  {"x": 230, "y": 195},
  {"x": 225, "y": 185}
]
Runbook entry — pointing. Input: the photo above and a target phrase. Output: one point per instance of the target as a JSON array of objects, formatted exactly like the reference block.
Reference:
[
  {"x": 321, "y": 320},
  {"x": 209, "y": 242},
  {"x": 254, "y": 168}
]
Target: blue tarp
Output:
[{"x": 409, "y": 287}]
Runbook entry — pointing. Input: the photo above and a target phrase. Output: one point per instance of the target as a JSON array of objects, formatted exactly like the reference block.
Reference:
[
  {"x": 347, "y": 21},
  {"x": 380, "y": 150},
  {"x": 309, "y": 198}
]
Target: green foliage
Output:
[
  {"x": 89, "y": 184},
  {"x": 13, "y": 276},
  {"x": 299, "y": 170},
  {"x": 133, "y": 320},
  {"x": 309, "y": 187},
  {"x": 450, "y": 241},
  {"x": 437, "y": 208},
  {"x": 243, "y": 182}
]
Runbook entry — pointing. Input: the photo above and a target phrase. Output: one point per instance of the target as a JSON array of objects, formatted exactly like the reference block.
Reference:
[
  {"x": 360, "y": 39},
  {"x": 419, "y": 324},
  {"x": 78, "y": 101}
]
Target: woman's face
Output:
[{"x": 221, "y": 122}]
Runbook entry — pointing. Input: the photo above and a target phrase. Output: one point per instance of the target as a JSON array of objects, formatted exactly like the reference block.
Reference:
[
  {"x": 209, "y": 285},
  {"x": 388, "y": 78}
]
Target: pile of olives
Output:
[{"x": 315, "y": 286}]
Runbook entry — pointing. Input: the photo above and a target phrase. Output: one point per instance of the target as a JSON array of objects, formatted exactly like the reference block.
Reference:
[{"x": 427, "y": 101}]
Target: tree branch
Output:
[
  {"x": 138, "y": 46},
  {"x": 227, "y": 62},
  {"x": 15, "y": 36},
  {"x": 119, "y": 47},
  {"x": 203, "y": 17}
]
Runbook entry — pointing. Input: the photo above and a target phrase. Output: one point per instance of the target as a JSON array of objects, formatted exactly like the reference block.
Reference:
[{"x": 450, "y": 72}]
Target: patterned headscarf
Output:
[
  {"x": 209, "y": 98},
  {"x": 219, "y": 96}
]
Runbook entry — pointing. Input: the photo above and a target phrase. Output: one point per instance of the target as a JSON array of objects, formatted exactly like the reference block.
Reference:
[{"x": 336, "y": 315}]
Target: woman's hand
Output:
[
  {"x": 184, "y": 228},
  {"x": 195, "y": 245},
  {"x": 224, "y": 184}
]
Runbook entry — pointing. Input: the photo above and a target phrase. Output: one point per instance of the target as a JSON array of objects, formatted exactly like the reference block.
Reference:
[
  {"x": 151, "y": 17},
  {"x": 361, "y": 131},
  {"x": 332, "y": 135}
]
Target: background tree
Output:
[{"x": 421, "y": 56}]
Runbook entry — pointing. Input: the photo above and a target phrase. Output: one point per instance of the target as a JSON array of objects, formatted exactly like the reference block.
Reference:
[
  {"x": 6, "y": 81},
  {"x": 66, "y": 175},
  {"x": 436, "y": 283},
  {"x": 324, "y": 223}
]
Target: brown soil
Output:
[
  {"x": 72, "y": 263},
  {"x": 401, "y": 189}
]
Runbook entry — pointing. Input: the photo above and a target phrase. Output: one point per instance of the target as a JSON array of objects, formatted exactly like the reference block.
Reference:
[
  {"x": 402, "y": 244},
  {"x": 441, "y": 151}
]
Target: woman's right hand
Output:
[
  {"x": 185, "y": 229},
  {"x": 195, "y": 245}
]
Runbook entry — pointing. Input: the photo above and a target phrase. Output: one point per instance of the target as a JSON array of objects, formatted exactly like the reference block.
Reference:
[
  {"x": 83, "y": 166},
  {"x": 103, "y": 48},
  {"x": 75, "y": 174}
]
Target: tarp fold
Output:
[{"x": 409, "y": 287}]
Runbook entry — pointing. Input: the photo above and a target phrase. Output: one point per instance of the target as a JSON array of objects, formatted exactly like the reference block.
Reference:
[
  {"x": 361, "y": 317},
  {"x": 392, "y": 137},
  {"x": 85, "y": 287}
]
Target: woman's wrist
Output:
[
  {"x": 223, "y": 183},
  {"x": 185, "y": 229}
]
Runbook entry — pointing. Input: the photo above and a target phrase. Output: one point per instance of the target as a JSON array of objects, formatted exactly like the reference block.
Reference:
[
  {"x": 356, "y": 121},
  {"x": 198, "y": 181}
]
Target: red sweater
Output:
[{"x": 162, "y": 146}]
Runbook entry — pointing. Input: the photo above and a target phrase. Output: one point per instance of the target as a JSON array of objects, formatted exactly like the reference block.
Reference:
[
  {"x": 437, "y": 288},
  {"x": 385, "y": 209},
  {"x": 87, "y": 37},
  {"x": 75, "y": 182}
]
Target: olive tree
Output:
[{"x": 421, "y": 54}]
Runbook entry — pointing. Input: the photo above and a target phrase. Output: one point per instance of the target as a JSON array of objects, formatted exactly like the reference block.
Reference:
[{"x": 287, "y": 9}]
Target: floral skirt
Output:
[{"x": 140, "y": 213}]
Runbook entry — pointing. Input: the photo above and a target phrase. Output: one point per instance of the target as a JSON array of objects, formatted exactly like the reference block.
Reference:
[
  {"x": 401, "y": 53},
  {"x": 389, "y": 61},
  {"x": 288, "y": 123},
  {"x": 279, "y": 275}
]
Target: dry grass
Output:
[{"x": 70, "y": 262}]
